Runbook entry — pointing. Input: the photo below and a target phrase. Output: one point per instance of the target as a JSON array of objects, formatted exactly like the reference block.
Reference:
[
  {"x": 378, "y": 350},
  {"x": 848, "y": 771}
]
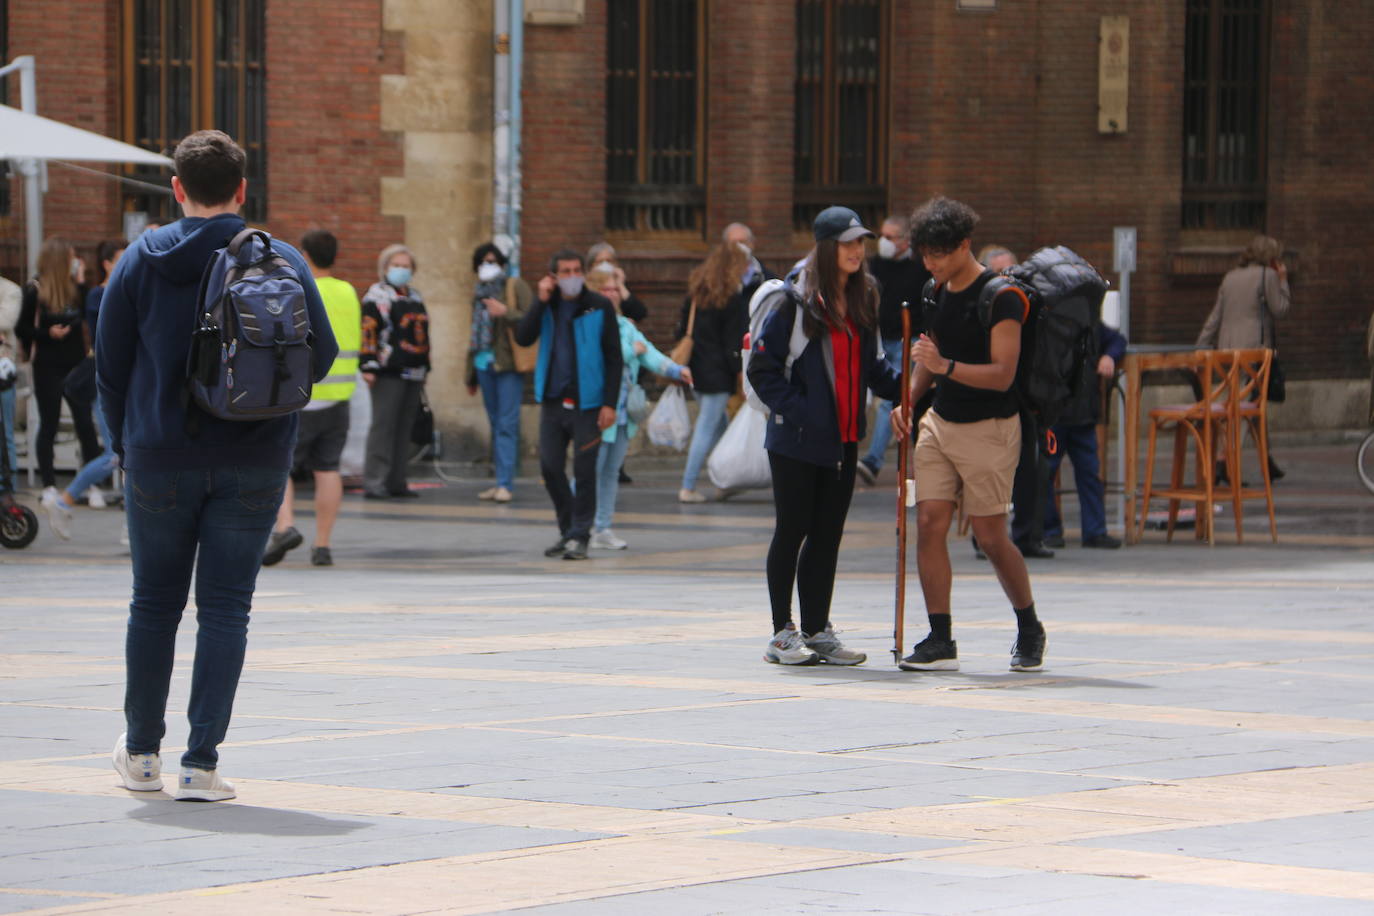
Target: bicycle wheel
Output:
[{"x": 1364, "y": 462}]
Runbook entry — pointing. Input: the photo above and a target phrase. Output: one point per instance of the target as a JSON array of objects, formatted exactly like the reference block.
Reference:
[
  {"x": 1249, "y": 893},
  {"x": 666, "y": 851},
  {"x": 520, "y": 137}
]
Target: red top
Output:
[{"x": 848, "y": 365}]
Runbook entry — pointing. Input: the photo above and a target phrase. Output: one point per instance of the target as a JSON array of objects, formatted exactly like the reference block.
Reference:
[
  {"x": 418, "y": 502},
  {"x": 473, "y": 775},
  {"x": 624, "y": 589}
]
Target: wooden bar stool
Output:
[
  {"x": 1201, "y": 423},
  {"x": 1249, "y": 411}
]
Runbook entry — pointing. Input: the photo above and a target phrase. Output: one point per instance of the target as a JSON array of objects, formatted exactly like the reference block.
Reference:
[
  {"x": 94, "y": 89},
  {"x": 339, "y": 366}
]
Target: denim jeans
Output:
[
  {"x": 97, "y": 471},
  {"x": 228, "y": 513},
  {"x": 1081, "y": 444},
  {"x": 608, "y": 461},
  {"x": 882, "y": 428},
  {"x": 710, "y": 427},
  {"x": 7, "y": 420},
  {"x": 501, "y": 393}
]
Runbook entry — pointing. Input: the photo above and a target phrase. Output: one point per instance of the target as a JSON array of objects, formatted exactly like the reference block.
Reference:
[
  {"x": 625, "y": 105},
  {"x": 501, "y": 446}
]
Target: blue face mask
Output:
[{"x": 398, "y": 276}]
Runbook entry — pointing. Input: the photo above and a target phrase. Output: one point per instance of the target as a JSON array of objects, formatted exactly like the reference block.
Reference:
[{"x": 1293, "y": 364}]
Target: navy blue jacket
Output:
[
  {"x": 142, "y": 339},
  {"x": 802, "y": 419}
]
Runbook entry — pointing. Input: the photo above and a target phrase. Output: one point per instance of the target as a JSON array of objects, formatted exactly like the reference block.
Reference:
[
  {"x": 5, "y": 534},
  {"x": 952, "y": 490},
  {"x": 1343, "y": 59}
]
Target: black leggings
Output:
[
  {"x": 810, "y": 503},
  {"x": 47, "y": 391}
]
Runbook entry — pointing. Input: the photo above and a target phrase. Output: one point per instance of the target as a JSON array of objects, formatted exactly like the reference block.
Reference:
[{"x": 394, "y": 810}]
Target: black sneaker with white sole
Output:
[
  {"x": 931, "y": 654},
  {"x": 557, "y": 548},
  {"x": 577, "y": 550},
  {"x": 279, "y": 543},
  {"x": 1028, "y": 652}
]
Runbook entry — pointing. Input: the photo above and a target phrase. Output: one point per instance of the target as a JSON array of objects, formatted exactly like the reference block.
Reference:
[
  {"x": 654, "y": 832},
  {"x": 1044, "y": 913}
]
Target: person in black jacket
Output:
[
  {"x": 816, "y": 420},
  {"x": 52, "y": 323},
  {"x": 717, "y": 313}
]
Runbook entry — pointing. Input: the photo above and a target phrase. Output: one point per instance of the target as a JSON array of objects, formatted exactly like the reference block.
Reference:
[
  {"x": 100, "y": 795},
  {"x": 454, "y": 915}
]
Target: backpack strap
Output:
[
  {"x": 995, "y": 287},
  {"x": 237, "y": 242}
]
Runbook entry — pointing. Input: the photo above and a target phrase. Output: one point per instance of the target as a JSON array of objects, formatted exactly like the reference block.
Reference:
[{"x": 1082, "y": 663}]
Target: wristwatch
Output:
[{"x": 949, "y": 370}]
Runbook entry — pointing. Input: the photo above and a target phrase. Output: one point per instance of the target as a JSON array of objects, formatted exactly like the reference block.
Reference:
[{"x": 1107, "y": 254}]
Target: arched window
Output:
[
  {"x": 1225, "y": 99},
  {"x": 840, "y": 141},
  {"x": 193, "y": 65},
  {"x": 655, "y": 97}
]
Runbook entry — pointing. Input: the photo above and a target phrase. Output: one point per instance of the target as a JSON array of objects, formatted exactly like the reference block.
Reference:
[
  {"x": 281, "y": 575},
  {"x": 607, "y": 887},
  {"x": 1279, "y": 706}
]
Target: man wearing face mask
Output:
[
  {"x": 577, "y": 385},
  {"x": 901, "y": 279}
]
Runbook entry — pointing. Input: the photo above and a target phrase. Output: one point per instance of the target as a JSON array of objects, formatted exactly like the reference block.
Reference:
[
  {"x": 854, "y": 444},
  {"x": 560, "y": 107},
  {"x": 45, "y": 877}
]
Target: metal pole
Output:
[
  {"x": 501, "y": 121},
  {"x": 517, "y": 63},
  {"x": 1125, "y": 329}
]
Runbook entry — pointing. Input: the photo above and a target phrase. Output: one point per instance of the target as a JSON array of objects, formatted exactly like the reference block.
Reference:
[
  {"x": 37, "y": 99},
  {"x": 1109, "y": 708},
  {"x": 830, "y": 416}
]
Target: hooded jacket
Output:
[{"x": 141, "y": 343}]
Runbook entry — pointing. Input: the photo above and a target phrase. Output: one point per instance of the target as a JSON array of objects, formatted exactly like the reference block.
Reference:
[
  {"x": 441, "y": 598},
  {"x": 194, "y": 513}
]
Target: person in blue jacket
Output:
[
  {"x": 1076, "y": 433},
  {"x": 815, "y": 423},
  {"x": 199, "y": 496}
]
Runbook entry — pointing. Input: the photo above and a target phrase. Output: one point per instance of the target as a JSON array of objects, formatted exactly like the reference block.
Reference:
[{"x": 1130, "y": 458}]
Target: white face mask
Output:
[
  {"x": 570, "y": 287},
  {"x": 887, "y": 248},
  {"x": 488, "y": 271},
  {"x": 748, "y": 252}
]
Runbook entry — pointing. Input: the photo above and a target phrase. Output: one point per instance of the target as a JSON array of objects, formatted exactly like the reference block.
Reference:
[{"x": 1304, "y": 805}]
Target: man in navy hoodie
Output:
[{"x": 213, "y": 490}]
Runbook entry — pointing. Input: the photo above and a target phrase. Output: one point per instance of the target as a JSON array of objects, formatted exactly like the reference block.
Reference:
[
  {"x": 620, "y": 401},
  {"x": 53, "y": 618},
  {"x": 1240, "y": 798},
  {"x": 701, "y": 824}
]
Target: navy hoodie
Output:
[{"x": 141, "y": 342}]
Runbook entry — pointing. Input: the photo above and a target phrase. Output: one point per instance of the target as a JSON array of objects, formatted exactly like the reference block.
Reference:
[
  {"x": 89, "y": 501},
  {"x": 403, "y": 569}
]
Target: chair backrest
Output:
[
  {"x": 1216, "y": 371},
  {"x": 1252, "y": 376}
]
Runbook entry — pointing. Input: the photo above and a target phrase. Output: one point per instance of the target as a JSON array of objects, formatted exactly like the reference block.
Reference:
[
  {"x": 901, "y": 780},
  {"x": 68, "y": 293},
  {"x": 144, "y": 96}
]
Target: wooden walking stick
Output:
[{"x": 903, "y": 488}]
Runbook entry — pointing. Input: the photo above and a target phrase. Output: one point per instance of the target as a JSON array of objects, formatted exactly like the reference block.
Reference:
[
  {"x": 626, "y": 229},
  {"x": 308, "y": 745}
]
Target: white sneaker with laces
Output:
[
  {"x": 59, "y": 513},
  {"x": 489, "y": 493},
  {"x": 605, "y": 539},
  {"x": 828, "y": 646},
  {"x": 502, "y": 495},
  {"x": 95, "y": 499},
  {"x": 787, "y": 648},
  {"x": 690, "y": 496},
  {"x": 203, "y": 785},
  {"x": 139, "y": 772}
]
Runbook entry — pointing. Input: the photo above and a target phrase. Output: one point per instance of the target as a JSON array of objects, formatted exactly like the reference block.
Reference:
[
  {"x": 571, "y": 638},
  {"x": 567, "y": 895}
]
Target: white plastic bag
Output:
[
  {"x": 669, "y": 424},
  {"x": 739, "y": 460}
]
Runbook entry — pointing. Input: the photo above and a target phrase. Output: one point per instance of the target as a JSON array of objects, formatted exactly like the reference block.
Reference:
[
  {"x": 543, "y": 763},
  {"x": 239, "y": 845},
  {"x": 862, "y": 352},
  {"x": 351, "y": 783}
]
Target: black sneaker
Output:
[
  {"x": 279, "y": 543},
  {"x": 1028, "y": 652},
  {"x": 1034, "y": 550},
  {"x": 867, "y": 472},
  {"x": 1102, "y": 542},
  {"x": 320, "y": 556},
  {"x": 577, "y": 550},
  {"x": 1054, "y": 540},
  {"x": 558, "y": 547},
  {"x": 931, "y": 654},
  {"x": 977, "y": 551}
]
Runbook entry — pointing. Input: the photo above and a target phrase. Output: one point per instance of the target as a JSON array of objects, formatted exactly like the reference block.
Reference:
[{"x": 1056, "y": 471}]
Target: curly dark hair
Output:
[
  {"x": 479, "y": 254},
  {"x": 940, "y": 224}
]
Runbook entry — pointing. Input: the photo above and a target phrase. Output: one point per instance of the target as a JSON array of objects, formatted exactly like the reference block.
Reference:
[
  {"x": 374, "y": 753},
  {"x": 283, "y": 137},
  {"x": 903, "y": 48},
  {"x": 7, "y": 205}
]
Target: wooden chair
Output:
[
  {"x": 1249, "y": 410},
  {"x": 1201, "y": 423}
]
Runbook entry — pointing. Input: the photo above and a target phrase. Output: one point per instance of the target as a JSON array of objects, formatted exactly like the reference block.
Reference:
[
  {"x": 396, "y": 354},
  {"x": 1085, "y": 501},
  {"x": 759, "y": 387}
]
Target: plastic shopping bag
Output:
[
  {"x": 669, "y": 424},
  {"x": 739, "y": 460}
]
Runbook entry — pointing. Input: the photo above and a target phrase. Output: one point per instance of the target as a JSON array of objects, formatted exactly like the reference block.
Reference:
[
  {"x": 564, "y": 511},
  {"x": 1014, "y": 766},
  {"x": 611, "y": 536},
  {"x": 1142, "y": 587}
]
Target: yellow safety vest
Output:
[{"x": 346, "y": 318}]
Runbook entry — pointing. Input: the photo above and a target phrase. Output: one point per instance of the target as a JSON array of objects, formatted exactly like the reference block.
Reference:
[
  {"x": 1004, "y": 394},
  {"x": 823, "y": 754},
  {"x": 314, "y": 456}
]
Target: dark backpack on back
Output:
[
  {"x": 1063, "y": 296},
  {"x": 250, "y": 353}
]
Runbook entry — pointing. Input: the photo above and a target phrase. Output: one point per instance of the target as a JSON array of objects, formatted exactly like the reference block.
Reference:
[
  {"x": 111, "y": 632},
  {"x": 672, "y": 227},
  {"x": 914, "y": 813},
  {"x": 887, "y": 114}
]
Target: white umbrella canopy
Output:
[{"x": 28, "y": 136}]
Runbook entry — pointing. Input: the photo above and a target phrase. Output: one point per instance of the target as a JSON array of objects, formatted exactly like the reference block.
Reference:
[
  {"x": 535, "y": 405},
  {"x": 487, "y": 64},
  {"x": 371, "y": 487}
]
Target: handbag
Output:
[
  {"x": 682, "y": 350},
  {"x": 524, "y": 358},
  {"x": 1278, "y": 379},
  {"x": 422, "y": 430}
]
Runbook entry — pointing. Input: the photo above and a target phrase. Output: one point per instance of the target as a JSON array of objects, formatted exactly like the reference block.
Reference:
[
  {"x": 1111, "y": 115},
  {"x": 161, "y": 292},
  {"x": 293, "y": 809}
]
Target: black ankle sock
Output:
[
  {"x": 1026, "y": 621},
  {"x": 940, "y": 626}
]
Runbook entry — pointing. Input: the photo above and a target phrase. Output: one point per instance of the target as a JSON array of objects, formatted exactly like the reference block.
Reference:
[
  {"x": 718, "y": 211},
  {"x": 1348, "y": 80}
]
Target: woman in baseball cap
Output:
[{"x": 816, "y": 421}]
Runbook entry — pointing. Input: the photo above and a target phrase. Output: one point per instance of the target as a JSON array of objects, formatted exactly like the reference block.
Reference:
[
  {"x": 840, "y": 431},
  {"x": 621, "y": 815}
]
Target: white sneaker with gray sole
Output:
[
  {"x": 139, "y": 772},
  {"x": 787, "y": 648},
  {"x": 831, "y": 651},
  {"x": 196, "y": 784}
]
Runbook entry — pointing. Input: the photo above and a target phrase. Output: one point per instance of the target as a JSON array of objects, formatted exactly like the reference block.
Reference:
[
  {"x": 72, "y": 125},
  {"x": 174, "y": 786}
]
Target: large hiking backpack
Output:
[
  {"x": 250, "y": 353},
  {"x": 1063, "y": 294},
  {"x": 767, "y": 299}
]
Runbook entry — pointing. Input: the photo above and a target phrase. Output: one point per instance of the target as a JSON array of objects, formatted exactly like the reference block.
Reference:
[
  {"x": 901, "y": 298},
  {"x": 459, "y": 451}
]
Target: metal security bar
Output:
[
  {"x": 1225, "y": 99},
  {"x": 840, "y": 139},
  {"x": 654, "y": 111}
]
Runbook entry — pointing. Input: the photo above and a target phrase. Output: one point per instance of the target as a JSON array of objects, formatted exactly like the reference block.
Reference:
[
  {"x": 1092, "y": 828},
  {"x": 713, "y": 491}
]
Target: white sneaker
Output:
[
  {"x": 95, "y": 499},
  {"x": 787, "y": 648},
  {"x": 59, "y": 513},
  {"x": 606, "y": 540},
  {"x": 488, "y": 493},
  {"x": 203, "y": 785},
  {"x": 827, "y": 645},
  {"x": 690, "y": 496},
  {"x": 502, "y": 495},
  {"x": 139, "y": 772}
]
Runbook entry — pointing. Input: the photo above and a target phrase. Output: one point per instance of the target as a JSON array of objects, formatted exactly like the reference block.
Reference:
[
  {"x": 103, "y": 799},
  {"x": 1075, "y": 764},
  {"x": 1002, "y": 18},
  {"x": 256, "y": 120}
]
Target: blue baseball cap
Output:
[{"x": 839, "y": 223}]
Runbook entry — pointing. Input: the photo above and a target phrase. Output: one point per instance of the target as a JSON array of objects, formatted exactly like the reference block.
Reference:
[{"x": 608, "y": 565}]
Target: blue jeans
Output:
[
  {"x": 882, "y": 428},
  {"x": 99, "y": 469},
  {"x": 228, "y": 513},
  {"x": 1081, "y": 444},
  {"x": 710, "y": 427},
  {"x": 501, "y": 393},
  {"x": 609, "y": 458},
  {"x": 7, "y": 420}
]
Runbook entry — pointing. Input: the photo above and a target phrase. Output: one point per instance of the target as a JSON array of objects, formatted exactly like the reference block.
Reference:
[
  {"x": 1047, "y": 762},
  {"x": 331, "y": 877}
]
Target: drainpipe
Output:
[
  {"x": 509, "y": 59},
  {"x": 31, "y": 169},
  {"x": 513, "y": 179}
]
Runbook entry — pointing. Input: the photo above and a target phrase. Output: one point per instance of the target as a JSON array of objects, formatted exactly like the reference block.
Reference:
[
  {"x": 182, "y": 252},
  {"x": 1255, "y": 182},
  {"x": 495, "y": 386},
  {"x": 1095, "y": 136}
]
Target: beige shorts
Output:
[{"x": 975, "y": 461}]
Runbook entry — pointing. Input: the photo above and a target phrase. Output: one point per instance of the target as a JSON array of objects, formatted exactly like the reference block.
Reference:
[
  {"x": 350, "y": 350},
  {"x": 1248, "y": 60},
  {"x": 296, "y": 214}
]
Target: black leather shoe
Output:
[
  {"x": 1275, "y": 472},
  {"x": 558, "y": 548},
  {"x": 577, "y": 550},
  {"x": 1034, "y": 550},
  {"x": 1056, "y": 541},
  {"x": 1102, "y": 542}
]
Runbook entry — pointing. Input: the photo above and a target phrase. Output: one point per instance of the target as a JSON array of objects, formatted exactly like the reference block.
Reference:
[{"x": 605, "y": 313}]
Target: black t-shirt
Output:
[{"x": 961, "y": 337}]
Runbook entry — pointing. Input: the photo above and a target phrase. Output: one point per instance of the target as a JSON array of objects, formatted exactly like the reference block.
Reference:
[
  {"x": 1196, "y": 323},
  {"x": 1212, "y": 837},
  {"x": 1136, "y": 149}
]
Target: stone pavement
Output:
[{"x": 446, "y": 722}]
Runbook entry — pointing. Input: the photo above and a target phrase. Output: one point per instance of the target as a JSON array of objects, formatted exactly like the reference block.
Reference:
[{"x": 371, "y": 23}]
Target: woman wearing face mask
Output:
[
  {"x": 51, "y": 326},
  {"x": 394, "y": 361},
  {"x": 718, "y": 290},
  {"x": 601, "y": 257},
  {"x": 498, "y": 304},
  {"x": 815, "y": 424}
]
